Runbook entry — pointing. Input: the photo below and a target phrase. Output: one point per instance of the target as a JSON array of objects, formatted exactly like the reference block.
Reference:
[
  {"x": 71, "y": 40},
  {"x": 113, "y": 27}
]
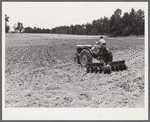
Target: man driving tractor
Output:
[{"x": 101, "y": 52}]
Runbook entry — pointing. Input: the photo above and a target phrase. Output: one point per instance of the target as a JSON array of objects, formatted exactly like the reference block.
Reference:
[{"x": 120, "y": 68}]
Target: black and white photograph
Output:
[{"x": 75, "y": 60}]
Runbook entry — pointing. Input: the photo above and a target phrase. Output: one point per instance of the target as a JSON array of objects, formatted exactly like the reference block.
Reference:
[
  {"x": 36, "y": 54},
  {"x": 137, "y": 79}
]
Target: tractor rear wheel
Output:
[
  {"x": 85, "y": 57},
  {"x": 77, "y": 60}
]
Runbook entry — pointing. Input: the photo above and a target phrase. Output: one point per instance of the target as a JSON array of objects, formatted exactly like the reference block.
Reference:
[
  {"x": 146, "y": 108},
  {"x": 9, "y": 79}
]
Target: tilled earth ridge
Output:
[{"x": 68, "y": 85}]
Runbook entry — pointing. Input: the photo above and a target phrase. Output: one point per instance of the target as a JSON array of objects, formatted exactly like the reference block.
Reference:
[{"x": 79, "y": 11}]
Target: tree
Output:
[
  {"x": 126, "y": 31},
  {"x": 78, "y": 29},
  {"x": 94, "y": 31},
  {"x": 6, "y": 25},
  {"x": 88, "y": 28},
  {"x": 83, "y": 29},
  {"x": 116, "y": 23},
  {"x": 140, "y": 21},
  {"x": 126, "y": 19},
  {"x": 133, "y": 22},
  {"x": 112, "y": 30},
  {"x": 19, "y": 27},
  {"x": 28, "y": 30},
  {"x": 105, "y": 25},
  {"x": 117, "y": 14}
]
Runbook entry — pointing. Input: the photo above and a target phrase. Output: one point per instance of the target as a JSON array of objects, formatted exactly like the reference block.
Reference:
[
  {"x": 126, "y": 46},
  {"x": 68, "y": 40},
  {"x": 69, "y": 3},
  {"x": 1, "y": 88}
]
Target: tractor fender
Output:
[{"x": 88, "y": 50}]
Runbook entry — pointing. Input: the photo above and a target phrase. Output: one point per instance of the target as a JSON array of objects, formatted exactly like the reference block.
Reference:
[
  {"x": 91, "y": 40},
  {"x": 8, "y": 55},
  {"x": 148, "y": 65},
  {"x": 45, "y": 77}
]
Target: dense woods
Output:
[{"x": 119, "y": 24}]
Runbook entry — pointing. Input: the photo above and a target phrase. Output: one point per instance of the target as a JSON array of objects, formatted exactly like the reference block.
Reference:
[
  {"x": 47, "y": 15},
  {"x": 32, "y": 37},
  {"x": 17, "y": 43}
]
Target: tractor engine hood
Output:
[{"x": 84, "y": 46}]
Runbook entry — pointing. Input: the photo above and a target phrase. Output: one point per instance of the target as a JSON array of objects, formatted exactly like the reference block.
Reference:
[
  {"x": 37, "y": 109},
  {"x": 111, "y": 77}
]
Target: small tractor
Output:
[{"x": 84, "y": 58}]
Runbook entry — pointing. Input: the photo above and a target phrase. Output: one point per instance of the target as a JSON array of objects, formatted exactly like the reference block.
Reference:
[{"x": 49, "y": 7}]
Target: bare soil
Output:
[{"x": 40, "y": 72}]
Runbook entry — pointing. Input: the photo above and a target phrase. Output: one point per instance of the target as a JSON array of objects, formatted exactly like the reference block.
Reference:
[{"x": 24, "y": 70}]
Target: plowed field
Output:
[{"x": 40, "y": 72}]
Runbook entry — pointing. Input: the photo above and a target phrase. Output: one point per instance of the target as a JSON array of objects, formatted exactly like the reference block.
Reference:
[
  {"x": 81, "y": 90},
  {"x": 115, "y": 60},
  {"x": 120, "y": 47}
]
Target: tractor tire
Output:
[
  {"x": 77, "y": 60},
  {"x": 85, "y": 57}
]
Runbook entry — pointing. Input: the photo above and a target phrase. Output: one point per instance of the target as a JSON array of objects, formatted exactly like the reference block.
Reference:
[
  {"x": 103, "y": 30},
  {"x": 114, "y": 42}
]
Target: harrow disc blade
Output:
[
  {"x": 88, "y": 70},
  {"x": 122, "y": 62},
  {"x": 100, "y": 70},
  {"x": 96, "y": 69},
  {"x": 118, "y": 65},
  {"x": 124, "y": 67},
  {"x": 99, "y": 67}
]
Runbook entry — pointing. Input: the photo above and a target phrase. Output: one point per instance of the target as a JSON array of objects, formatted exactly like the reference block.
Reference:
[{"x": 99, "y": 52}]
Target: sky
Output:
[{"x": 53, "y": 14}]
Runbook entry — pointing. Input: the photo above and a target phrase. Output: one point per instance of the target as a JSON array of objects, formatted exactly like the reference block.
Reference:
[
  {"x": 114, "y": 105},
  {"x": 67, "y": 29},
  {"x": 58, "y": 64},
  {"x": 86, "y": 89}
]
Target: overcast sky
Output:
[{"x": 53, "y": 14}]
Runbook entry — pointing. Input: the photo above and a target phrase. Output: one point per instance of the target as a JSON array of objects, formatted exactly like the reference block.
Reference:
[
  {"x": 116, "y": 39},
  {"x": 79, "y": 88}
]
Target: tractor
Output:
[{"x": 84, "y": 58}]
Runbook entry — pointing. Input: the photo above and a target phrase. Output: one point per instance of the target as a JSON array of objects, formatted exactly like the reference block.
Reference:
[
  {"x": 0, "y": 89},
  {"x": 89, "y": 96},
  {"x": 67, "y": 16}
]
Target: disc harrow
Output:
[{"x": 100, "y": 68}]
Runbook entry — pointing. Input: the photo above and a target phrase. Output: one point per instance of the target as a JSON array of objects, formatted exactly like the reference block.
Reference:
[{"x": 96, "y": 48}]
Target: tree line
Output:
[
  {"x": 131, "y": 23},
  {"x": 18, "y": 27},
  {"x": 116, "y": 25}
]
